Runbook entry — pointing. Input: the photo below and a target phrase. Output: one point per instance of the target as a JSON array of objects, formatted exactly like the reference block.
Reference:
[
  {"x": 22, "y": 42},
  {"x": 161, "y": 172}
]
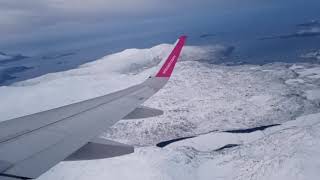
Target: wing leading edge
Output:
[{"x": 32, "y": 144}]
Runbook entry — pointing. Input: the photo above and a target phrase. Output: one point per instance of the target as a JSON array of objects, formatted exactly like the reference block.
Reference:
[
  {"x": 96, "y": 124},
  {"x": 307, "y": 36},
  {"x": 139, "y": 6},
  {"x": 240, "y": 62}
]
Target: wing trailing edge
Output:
[
  {"x": 100, "y": 148},
  {"x": 142, "y": 112}
]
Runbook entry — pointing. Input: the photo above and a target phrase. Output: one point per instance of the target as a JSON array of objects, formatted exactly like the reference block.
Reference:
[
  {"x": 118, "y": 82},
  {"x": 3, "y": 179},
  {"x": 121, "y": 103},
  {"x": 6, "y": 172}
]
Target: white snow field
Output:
[{"x": 203, "y": 100}]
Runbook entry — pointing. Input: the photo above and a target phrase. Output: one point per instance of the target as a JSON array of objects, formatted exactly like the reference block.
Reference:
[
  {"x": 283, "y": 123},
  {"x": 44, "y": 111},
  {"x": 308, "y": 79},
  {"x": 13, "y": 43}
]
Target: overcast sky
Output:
[
  {"x": 37, "y": 23},
  {"x": 15, "y": 14},
  {"x": 34, "y": 24}
]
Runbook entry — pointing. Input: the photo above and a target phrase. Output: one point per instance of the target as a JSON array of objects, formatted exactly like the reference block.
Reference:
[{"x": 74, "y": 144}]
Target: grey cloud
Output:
[
  {"x": 311, "y": 23},
  {"x": 309, "y": 29},
  {"x": 15, "y": 14},
  {"x": 30, "y": 25},
  {"x": 314, "y": 56}
]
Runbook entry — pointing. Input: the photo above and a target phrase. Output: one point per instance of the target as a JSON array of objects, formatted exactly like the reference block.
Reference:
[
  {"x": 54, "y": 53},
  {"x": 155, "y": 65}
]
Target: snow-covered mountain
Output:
[{"x": 221, "y": 107}]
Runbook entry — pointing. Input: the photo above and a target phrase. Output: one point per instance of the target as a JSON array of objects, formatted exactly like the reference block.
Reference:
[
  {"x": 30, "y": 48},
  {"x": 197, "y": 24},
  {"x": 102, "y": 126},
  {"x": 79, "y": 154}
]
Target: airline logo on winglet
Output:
[{"x": 168, "y": 66}]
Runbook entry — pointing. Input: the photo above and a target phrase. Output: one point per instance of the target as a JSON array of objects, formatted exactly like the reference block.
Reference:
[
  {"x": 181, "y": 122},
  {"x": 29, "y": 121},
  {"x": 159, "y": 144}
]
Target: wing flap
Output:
[
  {"x": 100, "y": 148},
  {"x": 8, "y": 177},
  {"x": 4, "y": 165},
  {"x": 143, "y": 112}
]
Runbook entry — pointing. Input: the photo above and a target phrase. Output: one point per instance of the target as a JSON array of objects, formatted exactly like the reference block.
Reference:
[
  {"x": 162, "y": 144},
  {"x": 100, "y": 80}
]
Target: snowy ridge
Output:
[{"x": 212, "y": 99}]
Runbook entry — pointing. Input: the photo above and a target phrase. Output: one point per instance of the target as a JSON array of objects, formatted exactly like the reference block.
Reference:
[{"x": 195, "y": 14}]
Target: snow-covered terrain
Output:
[{"x": 202, "y": 99}]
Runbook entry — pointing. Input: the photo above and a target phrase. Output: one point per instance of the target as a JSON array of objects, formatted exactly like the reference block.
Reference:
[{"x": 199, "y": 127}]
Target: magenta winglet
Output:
[{"x": 168, "y": 66}]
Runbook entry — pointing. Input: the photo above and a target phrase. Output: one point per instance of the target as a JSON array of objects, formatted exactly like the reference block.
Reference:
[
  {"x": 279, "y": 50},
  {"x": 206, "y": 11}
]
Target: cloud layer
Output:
[
  {"x": 308, "y": 29},
  {"x": 21, "y": 13}
]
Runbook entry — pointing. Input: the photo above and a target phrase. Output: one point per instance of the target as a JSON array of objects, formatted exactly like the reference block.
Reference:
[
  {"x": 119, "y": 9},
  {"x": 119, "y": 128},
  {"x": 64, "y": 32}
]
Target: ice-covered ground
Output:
[
  {"x": 289, "y": 151},
  {"x": 203, "y": 100},
  {"x": 204, "y": 97}
]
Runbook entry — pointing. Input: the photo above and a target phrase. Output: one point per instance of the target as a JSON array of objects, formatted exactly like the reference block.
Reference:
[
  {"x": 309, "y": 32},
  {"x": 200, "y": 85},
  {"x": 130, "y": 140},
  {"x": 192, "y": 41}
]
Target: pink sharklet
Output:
[{"x": 168, "y": 66}]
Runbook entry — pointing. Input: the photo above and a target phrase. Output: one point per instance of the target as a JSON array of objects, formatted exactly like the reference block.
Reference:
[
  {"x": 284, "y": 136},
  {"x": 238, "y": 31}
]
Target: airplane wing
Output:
[{"x": 32, "y": 144}]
